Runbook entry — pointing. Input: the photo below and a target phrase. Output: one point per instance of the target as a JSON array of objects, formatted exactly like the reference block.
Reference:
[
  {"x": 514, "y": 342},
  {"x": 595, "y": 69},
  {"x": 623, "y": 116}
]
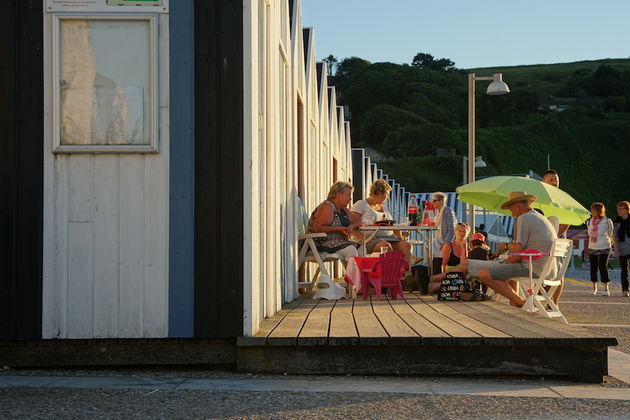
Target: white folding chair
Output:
[
  {"x": 538, "y": 291},
  {"x": 308, "y": 250}
]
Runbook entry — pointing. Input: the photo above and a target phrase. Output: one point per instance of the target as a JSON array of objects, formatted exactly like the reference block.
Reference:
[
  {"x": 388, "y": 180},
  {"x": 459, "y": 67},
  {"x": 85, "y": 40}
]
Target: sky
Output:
[{"x": 482, "y": 33}]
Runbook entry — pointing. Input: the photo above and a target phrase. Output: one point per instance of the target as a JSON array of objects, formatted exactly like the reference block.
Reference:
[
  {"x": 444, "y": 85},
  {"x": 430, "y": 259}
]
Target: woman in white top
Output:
[
  {"x": 600, "y": 230},
  {"x": 372, "y": 210}
]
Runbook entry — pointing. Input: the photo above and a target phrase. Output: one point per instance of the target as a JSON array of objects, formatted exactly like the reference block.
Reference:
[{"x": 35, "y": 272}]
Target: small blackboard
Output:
[{"x": 452, "y": 285}]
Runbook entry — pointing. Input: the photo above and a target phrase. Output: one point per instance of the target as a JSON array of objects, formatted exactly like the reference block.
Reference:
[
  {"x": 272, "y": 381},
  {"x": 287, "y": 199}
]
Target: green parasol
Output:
[{"x": 490, "y": 193}]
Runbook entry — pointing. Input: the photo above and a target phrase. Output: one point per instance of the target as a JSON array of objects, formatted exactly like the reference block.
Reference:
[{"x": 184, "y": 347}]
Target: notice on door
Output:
[{"x": 155, "y": 6}]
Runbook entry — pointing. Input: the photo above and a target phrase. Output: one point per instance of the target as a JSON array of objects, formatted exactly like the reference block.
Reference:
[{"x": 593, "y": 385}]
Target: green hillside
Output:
[
  {"x": 417, "y": 114},
  {"x": 550, "y": 76}
]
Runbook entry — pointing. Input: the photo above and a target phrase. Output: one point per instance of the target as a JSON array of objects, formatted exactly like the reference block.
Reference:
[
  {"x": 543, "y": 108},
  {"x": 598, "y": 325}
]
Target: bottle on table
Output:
[
  {"x": 412, "y": 209},
  {"x": 428, "y": 215}
]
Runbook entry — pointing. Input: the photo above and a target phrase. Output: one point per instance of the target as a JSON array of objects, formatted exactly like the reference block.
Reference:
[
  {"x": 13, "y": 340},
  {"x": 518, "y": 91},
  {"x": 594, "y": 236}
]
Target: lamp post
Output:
[
  {"x": 497, "y": 87},
  {"x": 479, "y": 163}
]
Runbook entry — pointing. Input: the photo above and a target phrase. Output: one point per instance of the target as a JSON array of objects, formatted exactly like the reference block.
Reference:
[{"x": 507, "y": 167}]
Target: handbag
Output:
[
  {"x": 453, "y": 284},
  {"x": 343, "y": 218}
]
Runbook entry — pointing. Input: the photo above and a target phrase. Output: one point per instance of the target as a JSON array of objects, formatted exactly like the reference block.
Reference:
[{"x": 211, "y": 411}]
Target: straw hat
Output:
[{"x": 516, "y": 196}]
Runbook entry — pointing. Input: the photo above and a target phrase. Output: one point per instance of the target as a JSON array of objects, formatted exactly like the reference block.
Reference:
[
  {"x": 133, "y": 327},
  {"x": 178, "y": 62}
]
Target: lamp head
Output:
[
  {"x": 497, "y": 86},
  {"x": 479, "y": 162}
]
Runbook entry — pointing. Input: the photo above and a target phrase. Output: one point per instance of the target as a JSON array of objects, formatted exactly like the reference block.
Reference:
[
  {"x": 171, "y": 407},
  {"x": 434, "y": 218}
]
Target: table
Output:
[
  {"x": 357, "y": 271},
  {"x": 426, "y": 233}
]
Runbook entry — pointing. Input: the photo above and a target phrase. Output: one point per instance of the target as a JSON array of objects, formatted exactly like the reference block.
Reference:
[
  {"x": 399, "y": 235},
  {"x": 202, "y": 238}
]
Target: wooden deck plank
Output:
[
  {"x": 460, "y": 335},
  {"x": 315, "y": 330},
  {"x": 548, "y": 327},
  {"x": 342, "y": 332},
  {"x": 451, "y": 310},
  {"x": 268, "y": 324},
  {"x": 287, "y": 331},
  {"x": 504, "y": 321},
  {"x": 556, "y": 333},
  {"x": 344, "y": 306},
  {"x": 370, "y": 330},
  {"x": 399, "y": 332},
  {"x": 430, "y": 334}
]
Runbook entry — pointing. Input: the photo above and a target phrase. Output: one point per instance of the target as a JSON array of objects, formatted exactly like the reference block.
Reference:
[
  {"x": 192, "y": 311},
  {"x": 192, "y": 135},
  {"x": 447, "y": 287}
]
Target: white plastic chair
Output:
[
  {"x": 533, "y": 289},
  {"x": 309, "y": 253}
]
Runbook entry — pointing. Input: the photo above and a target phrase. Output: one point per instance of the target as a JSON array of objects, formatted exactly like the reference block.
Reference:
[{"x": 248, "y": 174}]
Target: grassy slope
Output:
[{"x": 550, "y": 76}]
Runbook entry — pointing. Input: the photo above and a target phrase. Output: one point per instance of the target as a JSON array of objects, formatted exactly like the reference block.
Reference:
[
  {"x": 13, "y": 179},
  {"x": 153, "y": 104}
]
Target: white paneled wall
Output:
[
  {"x": 105, "y": 250},
  {"x": 292, "y": 134}
]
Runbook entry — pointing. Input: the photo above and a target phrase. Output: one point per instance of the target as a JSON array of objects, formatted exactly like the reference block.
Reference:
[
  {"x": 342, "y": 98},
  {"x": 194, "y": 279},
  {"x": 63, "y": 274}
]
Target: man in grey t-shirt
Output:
[{"x": 533, "y": 231}]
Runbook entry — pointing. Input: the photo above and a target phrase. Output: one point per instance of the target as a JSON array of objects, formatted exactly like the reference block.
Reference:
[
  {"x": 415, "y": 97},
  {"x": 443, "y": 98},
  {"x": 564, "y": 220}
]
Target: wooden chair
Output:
[
  {"x": 308, "y": 251},
  {"x": 538, "y": 291}
]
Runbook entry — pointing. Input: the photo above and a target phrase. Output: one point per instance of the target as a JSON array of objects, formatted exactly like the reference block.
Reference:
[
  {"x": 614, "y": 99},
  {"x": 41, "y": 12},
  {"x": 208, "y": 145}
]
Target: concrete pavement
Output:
[{"x": 342, "y": 385}]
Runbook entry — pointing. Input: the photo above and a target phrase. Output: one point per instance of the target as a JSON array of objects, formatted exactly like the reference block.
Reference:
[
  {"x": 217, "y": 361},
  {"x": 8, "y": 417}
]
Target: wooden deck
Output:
[{"x": 420, "y": 336}]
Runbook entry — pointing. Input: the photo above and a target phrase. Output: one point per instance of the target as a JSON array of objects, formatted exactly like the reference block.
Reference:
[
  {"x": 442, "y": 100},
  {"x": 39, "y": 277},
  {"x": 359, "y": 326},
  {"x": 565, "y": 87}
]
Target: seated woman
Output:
[
  {"x": 452, "y": 254},
  {"x": 372, "y": 210},
  {"x": 333, "y": 218}
]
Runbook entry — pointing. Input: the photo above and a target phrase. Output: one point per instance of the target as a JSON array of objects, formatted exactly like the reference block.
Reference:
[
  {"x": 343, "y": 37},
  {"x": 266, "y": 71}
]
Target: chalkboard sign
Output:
[{"x": 452, "y": 285}]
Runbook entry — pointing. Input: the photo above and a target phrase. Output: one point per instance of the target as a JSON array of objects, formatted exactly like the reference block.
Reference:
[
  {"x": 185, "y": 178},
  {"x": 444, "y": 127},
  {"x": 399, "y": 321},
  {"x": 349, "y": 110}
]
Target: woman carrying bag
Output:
[{"x": 600, "y": 232}]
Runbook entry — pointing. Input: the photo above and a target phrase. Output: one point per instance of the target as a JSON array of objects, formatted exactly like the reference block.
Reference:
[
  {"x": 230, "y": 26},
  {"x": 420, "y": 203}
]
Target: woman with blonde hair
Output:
[
  {"x": 372, "y": 210},
  {"x": 333, "y": 218},
  {"x": 600, "y": 231},
  {"x": 452, "y": 253}
]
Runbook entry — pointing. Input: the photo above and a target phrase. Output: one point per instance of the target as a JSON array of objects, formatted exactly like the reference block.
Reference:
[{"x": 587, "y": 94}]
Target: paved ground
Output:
[
  {"x": 203, "y": 394},
  {"x": 608, "y": 315},
  {"x": 134, "y": 403}
]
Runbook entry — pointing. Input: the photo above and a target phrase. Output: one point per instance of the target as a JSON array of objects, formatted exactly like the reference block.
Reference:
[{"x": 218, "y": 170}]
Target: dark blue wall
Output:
[
  {"x": 182, "y": 169},
  {"x": 219, "y": 168},
  {"x": 21, "y": 168}
]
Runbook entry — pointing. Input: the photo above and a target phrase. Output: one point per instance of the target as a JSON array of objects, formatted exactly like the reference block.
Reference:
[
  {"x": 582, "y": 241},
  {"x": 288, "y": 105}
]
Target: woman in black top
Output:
[{"x": 453, "y": 252}]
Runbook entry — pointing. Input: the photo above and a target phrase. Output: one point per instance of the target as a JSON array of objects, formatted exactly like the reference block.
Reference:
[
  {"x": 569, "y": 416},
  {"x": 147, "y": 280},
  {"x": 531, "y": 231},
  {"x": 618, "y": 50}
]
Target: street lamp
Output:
[
  {"x": 479, "y": 163},
  {"x": 496, "y": 87}
]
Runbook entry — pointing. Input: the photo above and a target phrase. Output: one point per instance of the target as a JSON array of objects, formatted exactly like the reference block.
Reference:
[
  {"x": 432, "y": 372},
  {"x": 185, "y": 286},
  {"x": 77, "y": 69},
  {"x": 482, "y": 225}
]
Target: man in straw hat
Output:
[{"x": 533, "y": 231}]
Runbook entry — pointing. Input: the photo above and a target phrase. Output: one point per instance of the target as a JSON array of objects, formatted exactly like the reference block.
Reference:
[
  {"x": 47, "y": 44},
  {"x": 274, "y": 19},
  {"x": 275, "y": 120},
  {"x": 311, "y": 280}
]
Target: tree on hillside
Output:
[
  {"x": 421, "y": 140},
  {"x": 351, "y": 67},
  {"x": 383, "y": 119},
  {"x": 428, "y": 62},
  {"x": 606, "y": 81},
  {"x": 347, "y": 69},
  {"x": 332, "y": 63}
]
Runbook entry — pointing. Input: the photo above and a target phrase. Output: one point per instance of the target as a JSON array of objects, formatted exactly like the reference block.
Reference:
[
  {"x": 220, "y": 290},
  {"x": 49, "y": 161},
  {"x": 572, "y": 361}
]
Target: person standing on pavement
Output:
[
  {"x": 445, "y": 221},
  {"x": 600, "y": 232},
  {"x": 621, "y": 242}
]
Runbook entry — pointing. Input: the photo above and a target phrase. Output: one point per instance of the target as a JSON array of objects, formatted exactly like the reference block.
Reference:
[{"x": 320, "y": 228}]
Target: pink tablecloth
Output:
[{"x": 357, "y": 270}]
